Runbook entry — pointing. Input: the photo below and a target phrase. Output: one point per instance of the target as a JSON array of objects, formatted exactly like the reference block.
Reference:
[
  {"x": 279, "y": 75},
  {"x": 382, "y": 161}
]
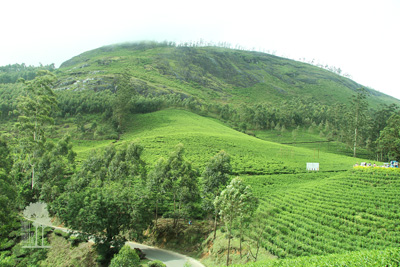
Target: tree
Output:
[
  {"x": 246, "y": 211},
  {"x": 155, "y": 184},
  {"x": 359, "y": 107},
  {"x": 389, "y": 139},
  {"x": 105, "y": 198},
  {"x": 121, "y": 105},
  {"x": 255, "y": 233},
  {"x": 34, "y": 109},
  {"x": 54, "y": 168},
  {"x": 7, "y": 193},
  {"x": 174, "y": 179},
  {"x": 235, "y": 203},
  {"x": 215, "y": 178},
  {"x": 126, "y": 257}
]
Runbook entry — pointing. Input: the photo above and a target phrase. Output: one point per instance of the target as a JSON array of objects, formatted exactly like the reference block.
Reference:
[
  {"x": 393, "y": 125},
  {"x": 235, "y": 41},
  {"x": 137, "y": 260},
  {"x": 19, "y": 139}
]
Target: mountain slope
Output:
[{"x": 209, "y": 73}]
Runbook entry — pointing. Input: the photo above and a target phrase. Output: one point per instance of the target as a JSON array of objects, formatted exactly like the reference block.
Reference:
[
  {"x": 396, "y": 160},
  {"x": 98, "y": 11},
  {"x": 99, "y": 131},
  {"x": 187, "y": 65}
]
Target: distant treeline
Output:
[{"x": 11, "y": 73}]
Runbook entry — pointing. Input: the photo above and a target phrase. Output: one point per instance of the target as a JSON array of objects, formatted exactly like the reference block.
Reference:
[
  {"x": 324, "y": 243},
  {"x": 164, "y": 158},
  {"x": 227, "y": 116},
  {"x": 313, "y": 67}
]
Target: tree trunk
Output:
[
  {"x": 240, "y": 241},
  {"x": 156, "y": 211},
  {"x": 174, "y": 212},
  {"x": 215, "y": 224},
  {"x": 229, "y": 247},
  {"x": 355, "y": 142},
  {"x": 33, "y": 175}
]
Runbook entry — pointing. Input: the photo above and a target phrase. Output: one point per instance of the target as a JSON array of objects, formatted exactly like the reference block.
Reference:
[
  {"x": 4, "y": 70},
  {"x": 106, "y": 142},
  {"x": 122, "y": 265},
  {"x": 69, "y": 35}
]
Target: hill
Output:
[
  {"x": 264, "y": 111},
  {"x": 159, "y": 132},
  {"x": 209, "y": 73}
]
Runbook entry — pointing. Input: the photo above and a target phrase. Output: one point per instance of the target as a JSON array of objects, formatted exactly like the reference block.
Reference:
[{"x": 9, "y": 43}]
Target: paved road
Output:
[{"x": 170, "y": 258}]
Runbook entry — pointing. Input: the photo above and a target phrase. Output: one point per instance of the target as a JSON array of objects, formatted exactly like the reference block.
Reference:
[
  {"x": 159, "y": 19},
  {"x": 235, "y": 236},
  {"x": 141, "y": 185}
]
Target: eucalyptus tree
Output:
[
  {"x": 34, "y": 111},
  {"x": 121, "y": 105},
  {"x": 180, "y": 182},
  {"x": 359, "y": 108},
  {"x": 235, "y": 204},
  {"x": 155, "y": 184},
  {"x": 215, "y": 178}
]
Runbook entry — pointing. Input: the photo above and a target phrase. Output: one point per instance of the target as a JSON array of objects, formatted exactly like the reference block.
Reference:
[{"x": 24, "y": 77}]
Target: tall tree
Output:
[
  {"x": 233, "y": 203},
  {"x": 180, "y": 182},
  {"x": 121, "y": 106},
  {"x": 155, "y": 184},
  {"x": 215, "y": 178},
  {"x": 359, "y": 107},
  {"x": 34, "y": 109}
]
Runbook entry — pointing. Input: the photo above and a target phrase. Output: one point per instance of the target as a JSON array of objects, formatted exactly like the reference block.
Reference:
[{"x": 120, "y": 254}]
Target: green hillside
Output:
[
  {"x": 209, "y": 73},
  {"x": 159, "y": 132}
]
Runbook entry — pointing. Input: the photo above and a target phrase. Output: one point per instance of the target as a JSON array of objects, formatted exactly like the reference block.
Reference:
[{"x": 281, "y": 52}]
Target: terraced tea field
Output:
[
  {"x": 159, "y": 132},
  {"x": 388, "y": 257},
  {"x": 310, "y": 214}
]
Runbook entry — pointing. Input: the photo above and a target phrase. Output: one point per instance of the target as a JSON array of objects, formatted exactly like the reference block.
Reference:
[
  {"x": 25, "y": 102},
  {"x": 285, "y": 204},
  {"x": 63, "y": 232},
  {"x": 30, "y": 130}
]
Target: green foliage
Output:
[
  {"x": 156, "y": 263},
  {"x": 106, "y": 197},
  {"x": 389, "y": 139},
  {"x": 126, "y": 257}
]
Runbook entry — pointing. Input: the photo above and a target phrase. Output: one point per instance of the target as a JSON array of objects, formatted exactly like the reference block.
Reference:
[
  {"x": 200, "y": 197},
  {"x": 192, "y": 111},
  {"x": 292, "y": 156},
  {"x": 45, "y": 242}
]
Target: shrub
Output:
[
  {"x": 156, "y": 263},
  {"x": 125, "y": 257}
]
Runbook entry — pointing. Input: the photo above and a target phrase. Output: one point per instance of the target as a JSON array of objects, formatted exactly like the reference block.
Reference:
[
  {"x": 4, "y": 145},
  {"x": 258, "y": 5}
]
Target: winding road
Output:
[
  {"x": 171, "y": 259},
  {"x": 37, "y": 213}
]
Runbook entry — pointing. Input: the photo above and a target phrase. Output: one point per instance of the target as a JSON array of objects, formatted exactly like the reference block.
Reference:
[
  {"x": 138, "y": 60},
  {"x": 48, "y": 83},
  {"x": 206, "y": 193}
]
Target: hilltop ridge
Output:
[{"x": 213, "y": 74}]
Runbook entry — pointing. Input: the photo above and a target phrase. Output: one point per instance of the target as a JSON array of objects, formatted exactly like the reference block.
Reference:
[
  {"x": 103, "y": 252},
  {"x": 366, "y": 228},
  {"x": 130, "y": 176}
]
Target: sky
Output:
[{"x": 360, "y": 37}]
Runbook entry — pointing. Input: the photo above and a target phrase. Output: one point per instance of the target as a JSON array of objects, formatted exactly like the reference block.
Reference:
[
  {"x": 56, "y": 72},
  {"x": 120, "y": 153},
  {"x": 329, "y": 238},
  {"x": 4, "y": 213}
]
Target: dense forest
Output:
[{"x": 114, "y": 193}]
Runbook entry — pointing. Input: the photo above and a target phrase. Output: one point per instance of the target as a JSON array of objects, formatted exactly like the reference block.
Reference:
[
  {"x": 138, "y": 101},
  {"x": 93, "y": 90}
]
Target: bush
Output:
[
  {"x": 125, "y": 257},
  {"x": 156, "y": 263}
]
